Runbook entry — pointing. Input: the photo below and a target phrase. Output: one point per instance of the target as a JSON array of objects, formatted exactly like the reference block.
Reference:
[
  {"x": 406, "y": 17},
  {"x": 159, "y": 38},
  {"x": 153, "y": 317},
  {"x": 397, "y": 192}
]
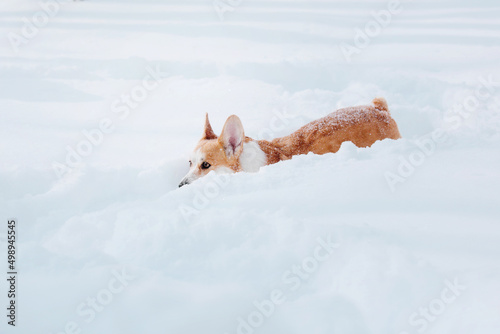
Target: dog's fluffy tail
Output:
[{"x": 380, "y": 103}]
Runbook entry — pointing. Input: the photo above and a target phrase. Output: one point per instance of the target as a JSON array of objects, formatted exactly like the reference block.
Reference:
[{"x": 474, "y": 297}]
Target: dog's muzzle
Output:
[{"x": 183, "y": 183}]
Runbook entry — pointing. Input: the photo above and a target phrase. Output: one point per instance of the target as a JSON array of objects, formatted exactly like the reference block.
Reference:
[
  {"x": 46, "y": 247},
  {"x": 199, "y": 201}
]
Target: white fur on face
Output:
[
  {"x": 196, "y": 158},
  {"x": 190, "y": 177},
  {"x": 252, "y": 157}
]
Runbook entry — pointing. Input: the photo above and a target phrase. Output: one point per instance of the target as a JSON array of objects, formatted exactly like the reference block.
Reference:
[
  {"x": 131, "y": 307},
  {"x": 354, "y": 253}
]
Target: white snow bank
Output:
[{"x": 398, "y": 238}]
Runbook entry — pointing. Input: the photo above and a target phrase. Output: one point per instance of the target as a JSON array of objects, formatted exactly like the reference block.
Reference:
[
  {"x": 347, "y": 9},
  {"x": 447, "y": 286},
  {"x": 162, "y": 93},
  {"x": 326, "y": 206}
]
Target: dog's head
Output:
[{"x": 219, "y": 154}]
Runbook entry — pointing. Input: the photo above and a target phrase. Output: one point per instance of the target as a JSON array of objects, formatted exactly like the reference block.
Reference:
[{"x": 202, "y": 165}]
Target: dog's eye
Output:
[
  {"x": 190, "y": 163},
  {"x": 205, "y": 165}
]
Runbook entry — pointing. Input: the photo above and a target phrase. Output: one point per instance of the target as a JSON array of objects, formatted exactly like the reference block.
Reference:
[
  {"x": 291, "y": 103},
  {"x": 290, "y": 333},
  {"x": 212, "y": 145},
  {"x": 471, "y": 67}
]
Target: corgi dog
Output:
[{"x": 232, "y": 151}]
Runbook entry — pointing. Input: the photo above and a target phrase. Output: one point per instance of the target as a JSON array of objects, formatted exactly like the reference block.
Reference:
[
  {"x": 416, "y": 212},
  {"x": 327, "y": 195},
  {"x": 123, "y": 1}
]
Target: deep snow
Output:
[{"x": 400, "y": 237}]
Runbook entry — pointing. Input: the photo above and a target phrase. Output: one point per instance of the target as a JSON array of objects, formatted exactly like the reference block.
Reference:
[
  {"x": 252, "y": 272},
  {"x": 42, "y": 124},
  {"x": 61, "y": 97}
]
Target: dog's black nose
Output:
[{"x": 183, "y": 183}]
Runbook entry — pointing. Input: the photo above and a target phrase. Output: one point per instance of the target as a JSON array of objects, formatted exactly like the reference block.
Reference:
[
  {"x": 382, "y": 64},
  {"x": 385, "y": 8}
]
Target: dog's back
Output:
[{"x": 362, "y": 125}]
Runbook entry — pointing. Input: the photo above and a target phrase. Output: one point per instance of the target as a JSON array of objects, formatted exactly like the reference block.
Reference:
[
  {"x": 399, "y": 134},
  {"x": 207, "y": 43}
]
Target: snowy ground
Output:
[{"x": 402, "y": 237}]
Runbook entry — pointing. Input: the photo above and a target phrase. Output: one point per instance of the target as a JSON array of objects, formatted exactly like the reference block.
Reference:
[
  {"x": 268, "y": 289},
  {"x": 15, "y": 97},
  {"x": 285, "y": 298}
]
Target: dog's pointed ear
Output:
[
  {"x": 208, "y": 133},
  {"x": 232, "y": 136}
]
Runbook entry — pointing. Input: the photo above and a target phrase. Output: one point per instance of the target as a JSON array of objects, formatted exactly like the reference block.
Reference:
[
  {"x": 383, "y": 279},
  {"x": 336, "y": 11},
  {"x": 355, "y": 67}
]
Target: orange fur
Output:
[{"x": 362, "y": 125}]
